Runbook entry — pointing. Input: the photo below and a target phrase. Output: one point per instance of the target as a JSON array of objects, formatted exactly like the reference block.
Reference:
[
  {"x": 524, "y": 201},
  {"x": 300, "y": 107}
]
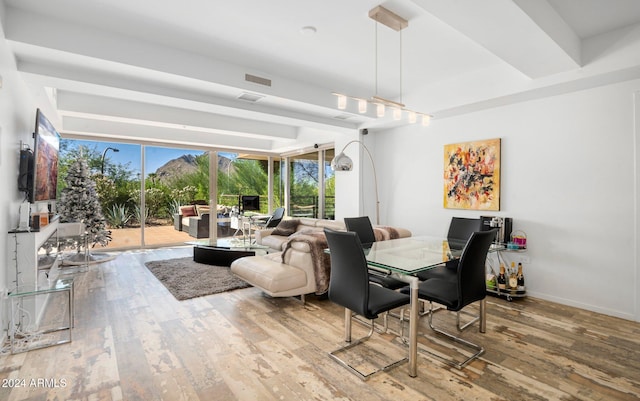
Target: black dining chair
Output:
[
  {"x": 363, "y": 227},
  {"x": 349, "y": 287},
  {"x": 273, "y": 220},
  {"x": 469, "y": 286},
  {"x": 460, "y": 230}
]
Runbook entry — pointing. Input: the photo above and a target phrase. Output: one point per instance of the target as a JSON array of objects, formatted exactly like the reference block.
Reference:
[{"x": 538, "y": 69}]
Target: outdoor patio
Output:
[{"x": 154, "y": 236}]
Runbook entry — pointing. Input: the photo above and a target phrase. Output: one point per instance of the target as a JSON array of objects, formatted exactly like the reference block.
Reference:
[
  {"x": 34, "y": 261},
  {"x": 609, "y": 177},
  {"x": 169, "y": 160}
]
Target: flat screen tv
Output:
[
  {"x": 45, "y": 160},
  {"x": 249, "y": 203}
]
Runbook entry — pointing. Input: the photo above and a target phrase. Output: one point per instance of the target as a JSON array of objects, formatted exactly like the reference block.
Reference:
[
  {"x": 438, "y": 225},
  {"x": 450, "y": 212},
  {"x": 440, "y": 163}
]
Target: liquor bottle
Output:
[
  {"x": 513, "y": 279},
  {"x": 520, "y": 278},
  {"x": 502, "y": 280},
  {"x": 491, "y": 281}
]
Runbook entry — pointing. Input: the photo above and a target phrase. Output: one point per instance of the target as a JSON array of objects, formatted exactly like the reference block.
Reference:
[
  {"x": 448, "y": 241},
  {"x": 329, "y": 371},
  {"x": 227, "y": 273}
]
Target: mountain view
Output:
[{"x": 187, "y": 164}]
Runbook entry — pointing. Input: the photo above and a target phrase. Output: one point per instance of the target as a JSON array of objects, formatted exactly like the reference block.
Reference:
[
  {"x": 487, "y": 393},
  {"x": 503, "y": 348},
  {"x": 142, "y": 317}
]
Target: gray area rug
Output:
[{"x": 186, "y": 279}]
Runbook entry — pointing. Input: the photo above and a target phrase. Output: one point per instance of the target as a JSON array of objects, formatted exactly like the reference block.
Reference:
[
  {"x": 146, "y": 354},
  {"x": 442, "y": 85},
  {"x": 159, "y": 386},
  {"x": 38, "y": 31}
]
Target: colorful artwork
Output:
[{"x": 472, "y": 175}]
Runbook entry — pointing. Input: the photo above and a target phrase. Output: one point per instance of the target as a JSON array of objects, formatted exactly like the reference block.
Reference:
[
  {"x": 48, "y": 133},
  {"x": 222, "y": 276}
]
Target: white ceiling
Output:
[{"x": 171, "y": 71}]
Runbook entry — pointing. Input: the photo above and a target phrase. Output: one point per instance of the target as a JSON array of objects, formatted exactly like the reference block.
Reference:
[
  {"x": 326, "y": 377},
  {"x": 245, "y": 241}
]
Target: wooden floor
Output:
[{"x": 134, "y": 341}]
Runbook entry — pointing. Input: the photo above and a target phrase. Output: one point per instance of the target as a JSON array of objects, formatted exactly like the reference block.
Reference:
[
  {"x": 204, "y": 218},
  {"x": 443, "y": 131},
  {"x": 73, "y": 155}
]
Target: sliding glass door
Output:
[
  {"x": 329, "y": 185},
  {"x": 143, "y": 211},
  {"x": 176, "y": 195},
  {"x": 115, "y": 168},
  {"x": 241, "y": 175},
  {"x": 156, "y": 196},
  {"x": 311, "y": 185}
]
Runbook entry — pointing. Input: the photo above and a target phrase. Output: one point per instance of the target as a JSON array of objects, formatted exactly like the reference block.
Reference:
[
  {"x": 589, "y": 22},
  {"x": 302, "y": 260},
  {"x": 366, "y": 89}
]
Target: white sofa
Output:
[
  {"x": 294, "y": 272},
  {"x": 277, "y": 242}
]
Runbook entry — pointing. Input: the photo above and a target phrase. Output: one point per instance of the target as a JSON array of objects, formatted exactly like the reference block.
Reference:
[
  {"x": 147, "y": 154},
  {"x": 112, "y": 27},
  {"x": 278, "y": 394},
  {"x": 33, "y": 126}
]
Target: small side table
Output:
[
  {"x": 242, "y": 223},
  {"x": 25, "y": 301}
]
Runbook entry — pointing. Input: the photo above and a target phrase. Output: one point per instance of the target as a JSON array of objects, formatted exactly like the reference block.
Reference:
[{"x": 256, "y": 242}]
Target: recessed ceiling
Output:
[
  {"x": 594, "y": 17},
  {"x": 121, "y": 66}
]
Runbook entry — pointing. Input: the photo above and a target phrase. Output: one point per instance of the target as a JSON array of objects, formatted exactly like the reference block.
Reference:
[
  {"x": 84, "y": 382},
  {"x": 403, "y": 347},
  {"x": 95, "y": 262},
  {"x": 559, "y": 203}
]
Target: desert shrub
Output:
[{"x": 117, "y": 216}]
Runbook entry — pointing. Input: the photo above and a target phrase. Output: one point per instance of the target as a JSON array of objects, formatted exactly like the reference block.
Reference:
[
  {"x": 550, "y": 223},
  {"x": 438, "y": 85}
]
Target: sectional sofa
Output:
[{"x": 296, "y": 263}]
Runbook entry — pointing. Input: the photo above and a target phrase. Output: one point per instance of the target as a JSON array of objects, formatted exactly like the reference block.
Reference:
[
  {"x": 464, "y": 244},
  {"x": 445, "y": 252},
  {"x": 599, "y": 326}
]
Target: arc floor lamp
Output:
[{"x": 342, "y": 162}]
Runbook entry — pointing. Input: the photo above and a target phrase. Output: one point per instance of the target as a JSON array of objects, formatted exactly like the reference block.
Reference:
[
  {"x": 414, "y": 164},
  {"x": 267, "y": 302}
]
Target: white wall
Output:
[
  {"x": 636, "y": 202},
  {"x": 17, "y": 119},
  {"x": 569, "y": 179}
]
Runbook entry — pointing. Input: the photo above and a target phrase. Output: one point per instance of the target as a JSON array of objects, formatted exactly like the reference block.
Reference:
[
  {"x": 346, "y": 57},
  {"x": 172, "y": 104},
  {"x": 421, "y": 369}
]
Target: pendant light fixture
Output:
[{"x": 399, "y": 111}]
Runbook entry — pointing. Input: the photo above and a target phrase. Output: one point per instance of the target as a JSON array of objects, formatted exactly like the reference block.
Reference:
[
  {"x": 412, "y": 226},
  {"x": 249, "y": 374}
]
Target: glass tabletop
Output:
[
  {"x": 63, "y": 284},
  {"x": 414, "y": 254},
  {"x": 410, "y": 255}
]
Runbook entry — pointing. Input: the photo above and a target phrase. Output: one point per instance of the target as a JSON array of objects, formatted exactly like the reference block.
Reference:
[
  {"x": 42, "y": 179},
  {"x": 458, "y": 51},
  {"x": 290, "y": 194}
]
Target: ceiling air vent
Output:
[
  {"x": 342, "y": 117},
  {"x": 249, "y": 97},
  {"x": 257, "y": 80}
]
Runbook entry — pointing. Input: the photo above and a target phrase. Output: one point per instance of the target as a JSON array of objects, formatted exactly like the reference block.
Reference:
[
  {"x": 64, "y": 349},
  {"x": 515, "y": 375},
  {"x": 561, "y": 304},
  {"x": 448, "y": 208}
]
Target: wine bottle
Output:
[
  {"x": 513, "y": 279},
  {"x": 520, "y": 278},
  {"x": 502, "y": 280},
  {"x": 491, "y": 281}
]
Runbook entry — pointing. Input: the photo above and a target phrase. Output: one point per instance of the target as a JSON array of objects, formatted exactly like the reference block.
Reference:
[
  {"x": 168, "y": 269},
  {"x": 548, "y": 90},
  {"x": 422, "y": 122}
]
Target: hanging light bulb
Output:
[
  {"x": 397, "y": 114},
  {"x": 362, "y": 106},
  {"x": 380, "y": 110},
  {"x": 342, "y": 102},
  {"x": 412, "y": 117},
  {"x": 426, "y": 119}
]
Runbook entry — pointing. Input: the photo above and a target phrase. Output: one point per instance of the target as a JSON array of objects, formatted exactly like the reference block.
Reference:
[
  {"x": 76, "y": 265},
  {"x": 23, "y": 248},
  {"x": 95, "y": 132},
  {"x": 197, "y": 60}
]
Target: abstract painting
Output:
[{"x": 472, "y": 175}]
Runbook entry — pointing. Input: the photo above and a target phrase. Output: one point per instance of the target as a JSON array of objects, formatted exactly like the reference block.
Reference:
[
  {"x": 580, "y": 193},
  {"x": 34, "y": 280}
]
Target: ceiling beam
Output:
[
  {"x": 71, "y": 49},
  {"x": 157, "y": 115},
  {"x": 527, "y": 34},
  {"x": 115, "y": 130}
]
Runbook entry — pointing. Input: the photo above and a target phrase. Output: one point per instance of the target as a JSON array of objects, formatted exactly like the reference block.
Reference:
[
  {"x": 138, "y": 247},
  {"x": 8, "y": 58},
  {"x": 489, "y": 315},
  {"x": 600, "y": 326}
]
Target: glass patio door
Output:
[
  {"x": 311, "y": 185},
  {"x": 115, "y": 168},
  {"x": 141, "y": 189},
  {"x": 176, "y": 196},
  {"x": 329, "y": 185},
  {"x": 241, "y": 175}
]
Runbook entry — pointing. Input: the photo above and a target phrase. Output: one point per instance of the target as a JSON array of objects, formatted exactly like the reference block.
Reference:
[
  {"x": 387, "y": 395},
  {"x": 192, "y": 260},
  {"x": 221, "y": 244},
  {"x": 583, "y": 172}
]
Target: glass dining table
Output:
[{"x": 402, "y": 259}]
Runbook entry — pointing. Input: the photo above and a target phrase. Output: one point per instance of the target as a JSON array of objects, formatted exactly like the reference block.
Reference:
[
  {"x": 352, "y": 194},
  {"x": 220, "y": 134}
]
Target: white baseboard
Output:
[{"x": 594, "y": 308}]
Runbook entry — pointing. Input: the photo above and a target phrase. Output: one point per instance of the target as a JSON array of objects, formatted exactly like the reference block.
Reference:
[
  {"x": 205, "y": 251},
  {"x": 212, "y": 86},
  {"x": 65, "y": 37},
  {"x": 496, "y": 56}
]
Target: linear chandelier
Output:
[{"x": 390, "y": 19}]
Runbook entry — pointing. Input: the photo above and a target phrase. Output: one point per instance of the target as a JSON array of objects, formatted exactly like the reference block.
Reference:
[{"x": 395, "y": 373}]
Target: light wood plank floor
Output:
[{"x": 134, "y": 341}]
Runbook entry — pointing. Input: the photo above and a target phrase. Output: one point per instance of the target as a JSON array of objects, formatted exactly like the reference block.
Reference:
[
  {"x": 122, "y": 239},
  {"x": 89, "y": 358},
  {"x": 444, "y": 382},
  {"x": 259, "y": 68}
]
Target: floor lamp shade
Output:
[{"x": 342, "y": 162}]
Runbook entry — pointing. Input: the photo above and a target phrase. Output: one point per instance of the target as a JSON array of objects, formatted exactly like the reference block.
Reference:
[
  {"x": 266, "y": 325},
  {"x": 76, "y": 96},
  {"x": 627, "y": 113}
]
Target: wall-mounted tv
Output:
[
  {"x": 45, "y": 160},
  {"x": 249, "y": 203}
]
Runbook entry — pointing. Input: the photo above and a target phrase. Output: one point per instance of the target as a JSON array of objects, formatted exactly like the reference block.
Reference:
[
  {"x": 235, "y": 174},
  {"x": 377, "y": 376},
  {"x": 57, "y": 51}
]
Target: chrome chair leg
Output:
[
  {"x": 347, "y": 325},
  {"x": 469, "y": 323},
  {"x": 479, "y": 350},
  {"x": 423, "y": 312},
  {"x": 385, "y": 323},
  {"x": 426, "y": 311},
  {"x": 350, "y": 344}
]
